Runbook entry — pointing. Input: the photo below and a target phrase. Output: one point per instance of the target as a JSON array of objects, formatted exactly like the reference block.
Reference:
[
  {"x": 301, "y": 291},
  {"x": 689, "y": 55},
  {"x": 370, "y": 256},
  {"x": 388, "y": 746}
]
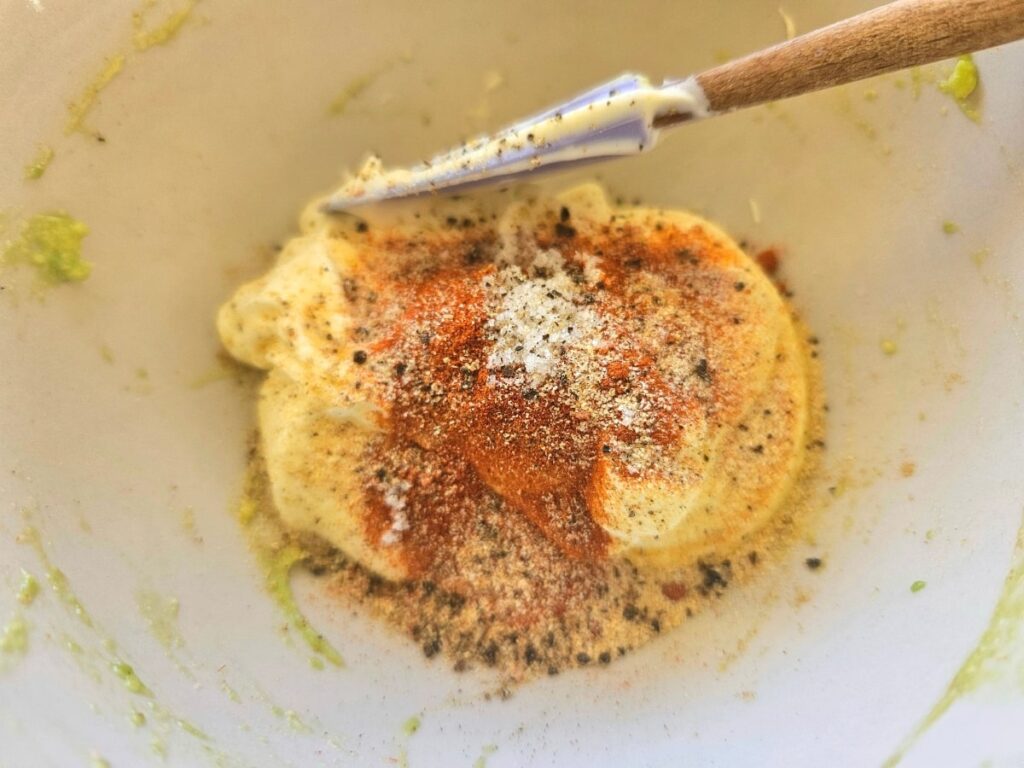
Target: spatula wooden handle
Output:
[{"x": 902, "y": 34}]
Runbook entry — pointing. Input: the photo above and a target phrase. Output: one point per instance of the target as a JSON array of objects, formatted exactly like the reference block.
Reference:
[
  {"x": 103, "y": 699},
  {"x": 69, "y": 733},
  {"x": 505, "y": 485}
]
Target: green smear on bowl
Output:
[
  {"x": 278, "y": 569},
  {"x": 14, "y": 637},
  {"x": 161, "y": 614},
  {"x": 162, "y": 33},
  {"x": 62, "y": 589},
  {"x": 51, "y": 243},
  {"x": 352, "y": 90},
  {"x": 129, "y": 679},
  {"x": 961, "y": 85},
  {"x": 35, "y": 169},
  {"x": 29, "y": 588},
  {"x": 81, "y": 107},
  {"x": 487, "y": 751},
  {"x": 998, "y": 655},
  {"x": 410, "y": 726}
]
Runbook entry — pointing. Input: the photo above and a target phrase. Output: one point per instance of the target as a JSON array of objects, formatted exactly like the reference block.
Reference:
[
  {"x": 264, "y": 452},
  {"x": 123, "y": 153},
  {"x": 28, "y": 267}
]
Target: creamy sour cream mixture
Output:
[{"x": 532, "y": 431}]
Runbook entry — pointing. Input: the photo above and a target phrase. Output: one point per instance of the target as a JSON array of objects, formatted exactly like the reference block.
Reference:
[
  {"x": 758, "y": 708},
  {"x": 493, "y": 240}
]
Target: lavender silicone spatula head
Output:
[{"x": 617, "y": 118}]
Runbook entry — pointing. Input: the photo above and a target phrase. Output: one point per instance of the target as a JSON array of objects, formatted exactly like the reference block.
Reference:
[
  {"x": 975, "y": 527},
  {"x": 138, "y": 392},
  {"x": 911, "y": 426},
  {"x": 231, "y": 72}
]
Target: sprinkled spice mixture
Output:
[{"x": 542, "y": 395}]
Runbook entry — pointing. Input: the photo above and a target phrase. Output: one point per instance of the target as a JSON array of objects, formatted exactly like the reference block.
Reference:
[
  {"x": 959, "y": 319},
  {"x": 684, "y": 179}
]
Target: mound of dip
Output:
[{"x": 532, "y": 431}]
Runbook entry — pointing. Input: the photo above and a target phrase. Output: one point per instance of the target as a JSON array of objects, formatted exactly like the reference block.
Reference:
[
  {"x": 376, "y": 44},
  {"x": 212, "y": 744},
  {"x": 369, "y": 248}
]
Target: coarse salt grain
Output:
[
  {"x": 536, "y": 321},
  {"x": 395, "y": 500}
]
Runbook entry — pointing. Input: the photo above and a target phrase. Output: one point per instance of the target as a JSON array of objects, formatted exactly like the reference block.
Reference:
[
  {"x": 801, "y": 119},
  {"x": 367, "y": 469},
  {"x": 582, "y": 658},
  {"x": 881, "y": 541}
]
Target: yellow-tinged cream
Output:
[{"x": 316, "y": 418}]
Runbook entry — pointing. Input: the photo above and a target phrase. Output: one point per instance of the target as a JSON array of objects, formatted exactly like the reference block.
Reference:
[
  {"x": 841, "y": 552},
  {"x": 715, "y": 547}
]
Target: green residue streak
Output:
[
  {"x": 39, "y": 164},
  {"x": 353, "y": 89},
  {"x": 131, "y": 681},
  {"x": 158, "y": 747},
  {"x": 98, "y": 762},
  {"x": 220, "y": 372},
  {"x": 52, "y": 243},
  {"x": 62, "y": 589},
  {"x": 164, "y": 32},
  {"x": 998, "y": 656},
  {"x": 188, "y": 523},
  {"x": 78, "y": 110},
  {"x": 410, "y": 726},
  {"x": 961, "y": 84},
  {"x": 279, "y": 565},
  {"x": 29, "y": 588},
  {"x": 192, "y": 730},
  {"x": 291, "y": 717},
  {"x": 979, "y": 257},
  {"x": 14, "y": 638},
  {"x": 161, "y": 613},
  {"x": 230, "y": 692},
  {"x": 950, "y": 227},
  {"x": 120, "y": 668},
  {"x": 917, "y": 586},
  {"x": 143, "y": 39},
  {"x": 487, "y": 751}
]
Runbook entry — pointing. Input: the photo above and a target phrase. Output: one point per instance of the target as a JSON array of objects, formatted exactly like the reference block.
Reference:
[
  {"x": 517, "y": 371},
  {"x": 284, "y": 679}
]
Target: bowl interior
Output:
[{"x": 125, "y": 450}]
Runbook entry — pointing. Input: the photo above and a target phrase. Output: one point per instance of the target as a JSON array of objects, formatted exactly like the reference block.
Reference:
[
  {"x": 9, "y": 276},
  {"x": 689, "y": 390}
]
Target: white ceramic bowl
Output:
[{"x": 213, "y": 143}]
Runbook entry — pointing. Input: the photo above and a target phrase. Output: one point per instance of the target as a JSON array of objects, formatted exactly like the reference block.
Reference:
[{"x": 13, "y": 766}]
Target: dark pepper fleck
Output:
[
  {"x": 701, "y": 370},
  {"x": 474, "y": 255},
  {"x": 431, "y": 648},
  {"x": 490, "y": 654},
  {"x": 711, "y": 576},
  {"x": 350, "y": 288}
]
